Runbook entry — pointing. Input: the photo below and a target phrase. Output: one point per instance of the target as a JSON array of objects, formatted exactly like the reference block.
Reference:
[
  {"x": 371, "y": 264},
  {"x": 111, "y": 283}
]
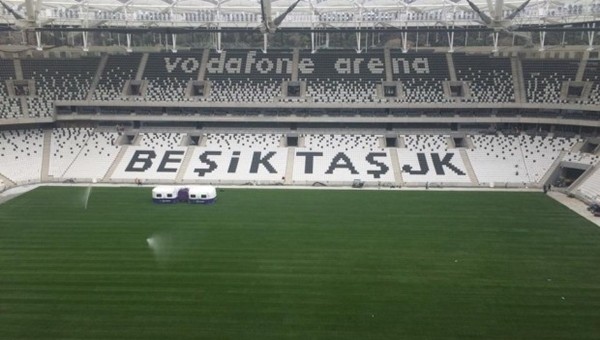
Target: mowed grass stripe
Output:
[{"x": 276, "y": 264}]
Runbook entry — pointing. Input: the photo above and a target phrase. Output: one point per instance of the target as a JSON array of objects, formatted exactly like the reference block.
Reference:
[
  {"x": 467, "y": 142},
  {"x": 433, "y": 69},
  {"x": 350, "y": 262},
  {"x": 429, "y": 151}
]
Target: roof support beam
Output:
[
  {"x": 495, "y": 38},
  {"x": 584, "y": 27},
  {"x": 30, "y": 10},
  {"x": 491, "y": 8},
  {"x": 498, "y": 15},
  {"x": 128, "y": 49},
  {"x": 86, "y": 47},
  {"x": 591, "y": 35},
  {"x": 542, "y": 41},
  {"x": 38, "y": 40}
]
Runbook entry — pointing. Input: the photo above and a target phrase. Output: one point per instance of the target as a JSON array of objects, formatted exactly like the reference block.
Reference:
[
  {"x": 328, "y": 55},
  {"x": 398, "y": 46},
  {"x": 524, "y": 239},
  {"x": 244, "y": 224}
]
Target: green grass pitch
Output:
[{"x": 297, "y": 264}]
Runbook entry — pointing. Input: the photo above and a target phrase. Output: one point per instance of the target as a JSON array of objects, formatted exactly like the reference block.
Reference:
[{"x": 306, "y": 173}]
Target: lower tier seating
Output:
[
  {"x": 86, "y": 154},
  {"x": 21, "y": 155},
  {"x": 428, "y": 159},
  {"x": 95, "y": 158}
]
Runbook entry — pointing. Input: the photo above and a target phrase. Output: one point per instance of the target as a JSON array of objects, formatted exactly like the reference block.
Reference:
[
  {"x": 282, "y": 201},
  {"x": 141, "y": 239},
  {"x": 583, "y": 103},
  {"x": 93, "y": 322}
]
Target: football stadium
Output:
[{"x": 364, "y": 169}]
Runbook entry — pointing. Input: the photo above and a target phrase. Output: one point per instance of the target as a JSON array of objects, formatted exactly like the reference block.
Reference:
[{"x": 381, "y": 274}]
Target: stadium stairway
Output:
[
  {"x": 141, "y": 67},
  {"x": 295, "y": 61},
  {"x": 97, "y": 76},
  {"x": 582, "y": 66},
  {"x": 7, "y": 182},
  {"x": 468, "y": 166},
  {"x": 18, "y": 69},
  {"x": 19, "y": 76},
  {"x": 401, "y": 142},
  {"x": 579, "y": 182},
  {"x": 577, "y": 146},
  {"x": 114, "y": 164},
  {"x": 396, "y": 167},
  {"x": 46, "y": 154},
  {"x": 451, "y": 69},
  {"x": 184, "y": 164},
  {"x": 24, "y": 107},
  {"x": 551, "y": 169},
  {"x": 289, "y": 170},
  {"x": 87, "y": 140},
  {"x": 203, "y": 139},
  {"x": 202, "y": 68},
  {"x": 387, "y": 59},
  {"x": 137, "y": 139},
  {"x": 518, "y": 81}
]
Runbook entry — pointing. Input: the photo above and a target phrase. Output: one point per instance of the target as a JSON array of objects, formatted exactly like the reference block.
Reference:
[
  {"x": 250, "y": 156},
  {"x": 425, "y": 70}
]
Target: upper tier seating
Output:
[
  {"x": 421, "y": 74},
  {"x": 544, "y": 77},
  {"x": 117, "y": 71},
  {"x": 592, "y": 73},
  {"x": 247, "y": 76},
  {"x": 9, "y": 107},
  {"x": 342, "y": 76},
  {"x": 21, "y": 155},
  {"x": 168, "y": 75},
  {"x": 498, "y": 159},
  {"x": 251, "y": 76},
  {"x": 66, "y": 144},
  {"x": 58, "y": 79},
  {"x": 490, "y": 79}
]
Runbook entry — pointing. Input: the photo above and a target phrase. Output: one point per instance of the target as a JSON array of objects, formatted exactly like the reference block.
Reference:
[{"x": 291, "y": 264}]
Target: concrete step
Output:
[
  {"x": 582, "y": 66},
  {"x": 401, "y": 142},
  {"x": 451, "y": 69},
  {"x": 295, "y": 61},
  {"x": 396, "y": 167},
  {"x": 19, "y": 76},
  {"x": 96, "y": 80},
  {"x": 467, "y": 162},
  {"x": 141, "y": 67},
  {"x": 202, "y": 71},
  {"x": 577, "y": 146},
  {"x": 46, "y": 154},
  {"x": 518, "y": 80},
  {"x": 387, "y": 58},
  {"x": 551, "y": 169},
  {"x": 203, "y": 140},
  {"x": 7, "y": 181},
  {"x": 18, "y": 69},
  {"x": 25, "y": 108},
  {"x": 184, "y": 164},
  {"x": 579, "y": 182},
  {"x": 289, "y": 169}
]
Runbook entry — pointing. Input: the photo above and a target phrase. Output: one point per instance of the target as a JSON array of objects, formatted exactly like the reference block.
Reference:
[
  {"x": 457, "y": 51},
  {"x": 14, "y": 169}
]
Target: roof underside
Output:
[{"x": 308, "y": 13}]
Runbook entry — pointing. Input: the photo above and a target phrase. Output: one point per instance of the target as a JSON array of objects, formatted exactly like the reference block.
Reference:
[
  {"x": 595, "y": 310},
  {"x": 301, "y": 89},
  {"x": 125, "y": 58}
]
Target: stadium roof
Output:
[{"x": 307, "y": 14}]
